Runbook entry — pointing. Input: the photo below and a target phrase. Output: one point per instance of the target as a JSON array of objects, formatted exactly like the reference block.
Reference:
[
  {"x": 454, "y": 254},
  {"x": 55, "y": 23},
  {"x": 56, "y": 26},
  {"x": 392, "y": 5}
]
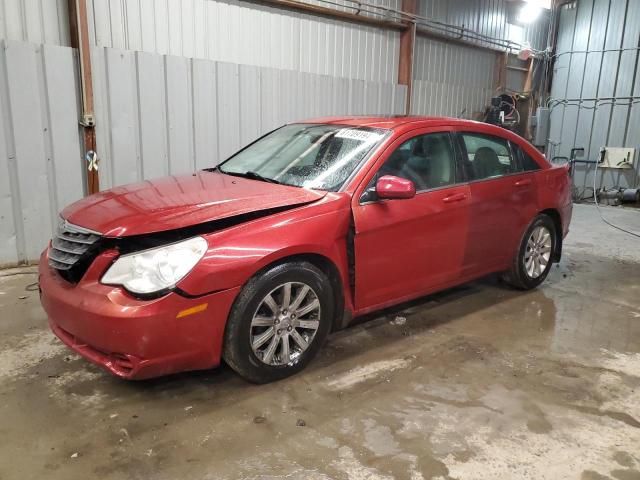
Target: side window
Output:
[
  {"x": 527, "y": 162},
  {"x": 487, "y": 156},
  {"x": 427, "y": 160}
]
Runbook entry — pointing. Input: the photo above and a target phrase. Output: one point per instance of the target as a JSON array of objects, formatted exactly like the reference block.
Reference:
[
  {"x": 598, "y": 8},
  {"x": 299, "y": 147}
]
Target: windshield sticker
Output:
[{"x": 360, "y": 135}]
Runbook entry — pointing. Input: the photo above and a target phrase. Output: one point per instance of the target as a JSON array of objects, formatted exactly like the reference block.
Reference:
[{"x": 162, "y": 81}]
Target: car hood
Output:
[{"x": 174, "y": 202}]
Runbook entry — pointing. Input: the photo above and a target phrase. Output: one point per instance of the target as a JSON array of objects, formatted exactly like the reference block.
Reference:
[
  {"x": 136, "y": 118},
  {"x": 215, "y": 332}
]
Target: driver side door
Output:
[{"x": 410, "y": 247}]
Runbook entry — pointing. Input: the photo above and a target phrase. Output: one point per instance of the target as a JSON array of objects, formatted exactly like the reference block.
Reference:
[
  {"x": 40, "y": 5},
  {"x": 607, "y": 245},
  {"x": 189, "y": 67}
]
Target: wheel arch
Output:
[
  {"x": 328, "y": 267},
  {"x": 557, "y": 223}
]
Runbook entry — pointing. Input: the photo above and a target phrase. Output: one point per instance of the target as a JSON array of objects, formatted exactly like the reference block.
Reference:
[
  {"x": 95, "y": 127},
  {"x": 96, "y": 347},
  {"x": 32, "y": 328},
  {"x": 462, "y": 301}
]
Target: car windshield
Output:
[{"x": 305, "y": 155}]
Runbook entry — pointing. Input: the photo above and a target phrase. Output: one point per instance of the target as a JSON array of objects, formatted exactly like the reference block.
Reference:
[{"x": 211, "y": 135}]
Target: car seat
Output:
[{"x": 486, "y": 163}]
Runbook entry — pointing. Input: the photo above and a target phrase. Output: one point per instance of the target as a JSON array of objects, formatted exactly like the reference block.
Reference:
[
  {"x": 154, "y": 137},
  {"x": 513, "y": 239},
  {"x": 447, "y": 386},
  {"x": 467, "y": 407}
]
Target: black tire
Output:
[
  {"x": 517, "y": 276},
  {"x": 237, "y": 349}
]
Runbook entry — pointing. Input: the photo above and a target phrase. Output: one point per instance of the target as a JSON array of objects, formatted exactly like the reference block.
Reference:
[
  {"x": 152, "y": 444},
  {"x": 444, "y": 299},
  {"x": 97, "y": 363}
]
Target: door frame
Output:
[
  {"x": 365, "y": 182},
  {"x": 390, "y": 148}
]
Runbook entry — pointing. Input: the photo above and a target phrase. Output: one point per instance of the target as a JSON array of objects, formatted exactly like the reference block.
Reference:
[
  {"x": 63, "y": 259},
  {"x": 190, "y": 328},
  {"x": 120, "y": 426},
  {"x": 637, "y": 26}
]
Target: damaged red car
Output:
[{"x": 255, "y": 261}]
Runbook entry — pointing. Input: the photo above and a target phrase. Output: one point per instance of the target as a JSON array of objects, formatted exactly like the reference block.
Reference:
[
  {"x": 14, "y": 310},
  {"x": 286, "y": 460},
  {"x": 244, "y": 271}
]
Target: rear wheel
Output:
[
  {"x": 533, "y": 261},
  {"x": 279, "y": 322}
]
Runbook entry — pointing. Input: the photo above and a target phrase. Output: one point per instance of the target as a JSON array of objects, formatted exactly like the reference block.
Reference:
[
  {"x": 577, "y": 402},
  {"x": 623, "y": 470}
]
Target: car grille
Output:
[{"x": 72, "y": 250}]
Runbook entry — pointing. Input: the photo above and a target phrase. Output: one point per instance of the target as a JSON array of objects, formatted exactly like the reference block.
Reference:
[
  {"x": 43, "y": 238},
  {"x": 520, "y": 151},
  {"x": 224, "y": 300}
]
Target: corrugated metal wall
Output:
[
  {"x": 595, "y": 93},
  {"x": 458, "y": 80},
  {"x": 190, "y": 81},
  {"x": 40, "y": 167},
  {"x": 489, "y": 17},
  {"x": 247, "y": 33},
  {"x": 35, "y": 21},
  {"x": 451, "y": 79},
  {"x": 485, "y": 16},
  {"x": 157, "y": 115}
]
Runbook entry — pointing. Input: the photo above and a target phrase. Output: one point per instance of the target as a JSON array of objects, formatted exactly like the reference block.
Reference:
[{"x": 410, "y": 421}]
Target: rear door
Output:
[
  {"x": 404, "y": 248},
  {"x": 503, "y": 200}
]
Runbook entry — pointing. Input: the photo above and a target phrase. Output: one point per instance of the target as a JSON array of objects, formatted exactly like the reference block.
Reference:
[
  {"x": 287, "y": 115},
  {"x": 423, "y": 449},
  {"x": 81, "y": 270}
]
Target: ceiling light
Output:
[{"x": 529, "y": 12}]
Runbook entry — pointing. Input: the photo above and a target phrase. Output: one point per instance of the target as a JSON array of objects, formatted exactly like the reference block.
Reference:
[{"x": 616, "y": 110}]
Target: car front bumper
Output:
[{"x": 133, "y": 338}]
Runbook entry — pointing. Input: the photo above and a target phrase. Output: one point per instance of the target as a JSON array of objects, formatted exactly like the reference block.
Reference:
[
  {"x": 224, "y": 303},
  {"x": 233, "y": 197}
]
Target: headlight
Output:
[{"x": 156, "y": 269}]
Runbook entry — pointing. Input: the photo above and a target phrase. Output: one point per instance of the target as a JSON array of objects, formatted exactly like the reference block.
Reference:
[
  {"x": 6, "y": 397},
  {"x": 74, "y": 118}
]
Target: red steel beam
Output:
[
  {"x": 79, "y": 28},
  {"x": 407, "y": 46}
]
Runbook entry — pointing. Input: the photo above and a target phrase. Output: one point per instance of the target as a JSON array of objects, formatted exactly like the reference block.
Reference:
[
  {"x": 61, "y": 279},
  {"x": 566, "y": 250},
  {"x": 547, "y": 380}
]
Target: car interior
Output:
[{"x": 425, "y": 160}]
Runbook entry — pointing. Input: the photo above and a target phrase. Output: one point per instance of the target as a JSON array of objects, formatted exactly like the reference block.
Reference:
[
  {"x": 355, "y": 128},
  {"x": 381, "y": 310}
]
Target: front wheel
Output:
[
  {"x": 279, "y": 322},
  {"x": 533, "y": 261}
]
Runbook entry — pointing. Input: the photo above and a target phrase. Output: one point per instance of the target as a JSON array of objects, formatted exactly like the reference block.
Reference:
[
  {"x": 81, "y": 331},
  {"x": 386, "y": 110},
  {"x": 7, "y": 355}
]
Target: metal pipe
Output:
[
  {"x": 398, "y": 20},
  {"x": 334, "y": 13},
  {"x": 79, "y": 27},
  {"x": 430, "y": 23},
  {"x": 597, "y": 99},
  {"x": 598, "y": 51}
]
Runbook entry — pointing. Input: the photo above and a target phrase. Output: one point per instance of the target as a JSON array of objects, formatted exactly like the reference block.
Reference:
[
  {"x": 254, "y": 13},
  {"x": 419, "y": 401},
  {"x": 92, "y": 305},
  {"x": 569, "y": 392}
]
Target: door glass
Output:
[
  {"x": 427, "y": 160},
  {"x": 487, "y": 156},
  {"x": 527, "y": 162}
]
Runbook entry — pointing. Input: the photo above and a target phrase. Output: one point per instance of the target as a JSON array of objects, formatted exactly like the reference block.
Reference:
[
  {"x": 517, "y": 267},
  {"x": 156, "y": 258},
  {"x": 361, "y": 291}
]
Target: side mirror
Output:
[{"x": 390, "y": 188}]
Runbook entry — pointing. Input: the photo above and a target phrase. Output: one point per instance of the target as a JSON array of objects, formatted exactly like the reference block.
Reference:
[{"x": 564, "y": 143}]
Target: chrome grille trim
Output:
[
  {"x": 69, "y": 245},
  {"x": 89, "y": 240}
]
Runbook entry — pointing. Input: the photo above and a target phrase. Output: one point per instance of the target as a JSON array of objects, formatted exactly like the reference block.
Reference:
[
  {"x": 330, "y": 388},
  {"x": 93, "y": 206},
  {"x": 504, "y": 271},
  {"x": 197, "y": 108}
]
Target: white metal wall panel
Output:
[
  {"x": 151, "y": 107},
  {"x": 239, "y": 32},
  {"x": 205, "y": 112},
  {"x": 35, "y": 21},
  {"x": 450, "y": 79},
  {"x": 164, "y": 114},
  {"x": 40, "y": 162}
]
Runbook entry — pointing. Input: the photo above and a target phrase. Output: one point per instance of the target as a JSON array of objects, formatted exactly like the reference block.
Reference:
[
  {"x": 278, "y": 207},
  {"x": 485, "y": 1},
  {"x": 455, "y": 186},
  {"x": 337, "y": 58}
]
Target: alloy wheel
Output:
[
  {"x": 285, "y": 323},
  {"x": 538, "y": 252}
]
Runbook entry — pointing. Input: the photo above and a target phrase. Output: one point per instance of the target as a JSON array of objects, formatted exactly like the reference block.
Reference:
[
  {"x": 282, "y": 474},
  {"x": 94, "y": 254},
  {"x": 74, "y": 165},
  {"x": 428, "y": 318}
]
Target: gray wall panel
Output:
[
  {"x": 489, "y": 17},
  {"x": 217, "y": 30},
  {"x": 187, "y": 85},
  {"x": 152, "y": 107},
  {"x": 123, "y": 98},
  {"x": 35, "y": 21},
  {"x": 166, "y": 114},
  {"x": 179, "y": 114},
  {"x": 450, "y": 79},
  {"x": 26, "y": 108},
  {"x": 250, "y": 93},
  {"x": 228, "y": 109},
  {"x": 65, "y": 165},
  {"x": 11, "y": 233},
  {"x": 590, "y": 93},
  {"x": 205, "y": 110},
  {"x": 40, "y": 161},
  {"x": 247, "y": 33}
]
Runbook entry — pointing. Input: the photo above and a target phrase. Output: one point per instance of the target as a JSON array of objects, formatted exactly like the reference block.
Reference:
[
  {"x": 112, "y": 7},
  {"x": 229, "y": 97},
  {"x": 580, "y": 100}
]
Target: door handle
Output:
[
  {"x": 523, "y": 183},
  {"x": 456, "y": 197}
]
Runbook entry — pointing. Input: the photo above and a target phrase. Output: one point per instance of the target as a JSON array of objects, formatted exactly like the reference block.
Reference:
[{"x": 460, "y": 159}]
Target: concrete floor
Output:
[{"x": 478, "y": 383}]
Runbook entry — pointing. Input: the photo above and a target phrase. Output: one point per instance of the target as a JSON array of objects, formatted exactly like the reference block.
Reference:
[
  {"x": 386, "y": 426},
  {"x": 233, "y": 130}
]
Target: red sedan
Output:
[{"x": 255, "y": 261}]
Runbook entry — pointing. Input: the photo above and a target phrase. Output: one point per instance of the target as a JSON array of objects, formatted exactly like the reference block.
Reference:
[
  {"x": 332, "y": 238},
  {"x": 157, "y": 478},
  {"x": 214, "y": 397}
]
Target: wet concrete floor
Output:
[{"x": 481, "y": 382}]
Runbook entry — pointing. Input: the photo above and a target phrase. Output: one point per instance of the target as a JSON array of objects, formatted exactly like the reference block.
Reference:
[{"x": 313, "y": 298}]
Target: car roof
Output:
[
  {"x": 391, "y": 121},
  {"x": 404, "y": 123}
]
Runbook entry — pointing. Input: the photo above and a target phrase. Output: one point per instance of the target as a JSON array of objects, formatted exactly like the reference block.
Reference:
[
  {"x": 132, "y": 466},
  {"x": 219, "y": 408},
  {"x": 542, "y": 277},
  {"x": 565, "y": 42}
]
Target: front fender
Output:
[{"x": 235, "y": 255}]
